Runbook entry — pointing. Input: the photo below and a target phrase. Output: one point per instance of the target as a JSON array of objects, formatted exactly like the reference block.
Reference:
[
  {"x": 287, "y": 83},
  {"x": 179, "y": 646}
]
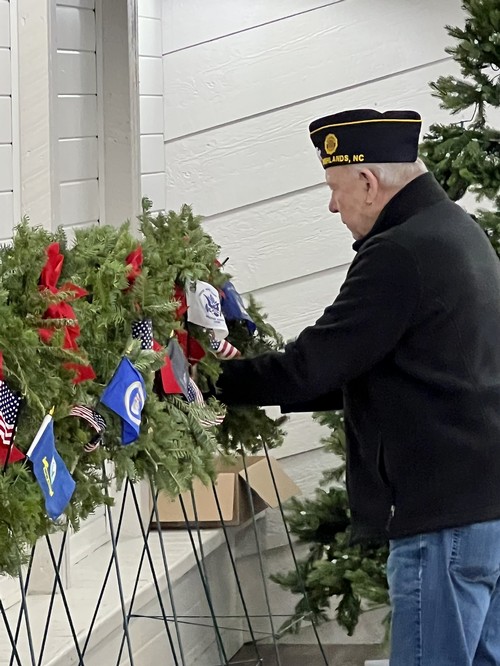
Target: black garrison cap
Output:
[{"x": 366, "y": 135}]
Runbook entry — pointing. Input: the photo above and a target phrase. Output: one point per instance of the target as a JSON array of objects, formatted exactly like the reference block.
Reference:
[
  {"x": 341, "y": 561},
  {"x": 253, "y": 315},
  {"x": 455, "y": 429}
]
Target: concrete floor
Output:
[{"x": 299, "y": 655}]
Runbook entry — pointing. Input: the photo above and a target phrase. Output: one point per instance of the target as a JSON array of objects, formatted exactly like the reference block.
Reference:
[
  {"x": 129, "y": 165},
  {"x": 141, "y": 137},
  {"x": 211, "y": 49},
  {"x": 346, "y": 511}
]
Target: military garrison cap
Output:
[{"x": 365, "y": 135}]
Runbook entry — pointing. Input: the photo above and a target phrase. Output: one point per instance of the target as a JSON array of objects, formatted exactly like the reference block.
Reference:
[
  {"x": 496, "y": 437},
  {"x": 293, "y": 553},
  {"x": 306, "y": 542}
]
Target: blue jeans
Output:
[{"x": 445, "y": 597}]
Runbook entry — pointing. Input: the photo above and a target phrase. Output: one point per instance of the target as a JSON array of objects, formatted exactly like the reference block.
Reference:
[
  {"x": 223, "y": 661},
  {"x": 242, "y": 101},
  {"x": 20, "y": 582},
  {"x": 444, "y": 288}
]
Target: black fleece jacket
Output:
[{"x": 411, "y": 346}]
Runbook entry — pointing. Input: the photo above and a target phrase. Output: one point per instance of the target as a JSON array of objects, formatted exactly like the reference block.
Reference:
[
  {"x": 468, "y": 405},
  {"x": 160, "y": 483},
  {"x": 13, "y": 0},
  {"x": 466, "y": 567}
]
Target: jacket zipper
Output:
[
  {"x": 385, "y": 479},
  {"x": 391, "y": 516}
]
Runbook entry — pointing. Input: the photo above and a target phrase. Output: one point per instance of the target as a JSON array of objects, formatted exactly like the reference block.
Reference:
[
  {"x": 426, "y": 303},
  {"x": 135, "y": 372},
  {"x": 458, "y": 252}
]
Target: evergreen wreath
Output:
[{"x": 124, "y": 280}]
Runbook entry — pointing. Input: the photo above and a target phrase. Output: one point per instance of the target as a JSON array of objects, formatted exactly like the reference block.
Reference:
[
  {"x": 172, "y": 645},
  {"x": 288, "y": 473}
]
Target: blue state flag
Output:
[
  {"x": 233, "y": 307},
  {"x": 125, "y": 395},
  {"x": 53, "y": 476}
]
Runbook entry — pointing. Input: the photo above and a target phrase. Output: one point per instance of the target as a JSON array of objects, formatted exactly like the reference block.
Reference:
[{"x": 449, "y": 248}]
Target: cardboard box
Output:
[{"x": 233, "y": 494}]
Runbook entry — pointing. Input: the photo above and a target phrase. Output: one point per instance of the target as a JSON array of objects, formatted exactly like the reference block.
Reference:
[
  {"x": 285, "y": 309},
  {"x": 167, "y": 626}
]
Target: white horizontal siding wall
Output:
[
  {"x": 151, "y": 102},
  {"x": 9, "y": 209},
  {"x": 242, "y": 81},
  {"x": 78, "y": 121}
]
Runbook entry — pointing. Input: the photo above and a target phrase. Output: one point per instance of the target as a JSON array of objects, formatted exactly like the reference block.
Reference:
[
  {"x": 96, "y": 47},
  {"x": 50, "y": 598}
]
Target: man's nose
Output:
[{"x": 332, "y": 207}]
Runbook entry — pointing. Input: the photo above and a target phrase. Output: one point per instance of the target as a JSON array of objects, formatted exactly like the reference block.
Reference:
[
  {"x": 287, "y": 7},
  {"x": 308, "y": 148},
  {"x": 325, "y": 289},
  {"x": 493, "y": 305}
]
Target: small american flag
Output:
[
  {"x": 194, "y": 395},
  {"x": 143, "y": 330},
  {"x": 94, "y": 443},
  {"x": 224, "y": 349},
  {"x": 9, "y": 407},
  {"x": 90, "y": 415},
  {"x": 95, "y": 420}
]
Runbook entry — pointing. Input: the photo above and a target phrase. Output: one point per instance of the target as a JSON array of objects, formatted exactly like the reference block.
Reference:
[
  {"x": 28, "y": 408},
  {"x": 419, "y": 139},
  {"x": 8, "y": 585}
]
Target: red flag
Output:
[
  {"x": 168, "y": 381},
  {"x": 15, "y": 454},
  {"x": 192, "y": 349}
]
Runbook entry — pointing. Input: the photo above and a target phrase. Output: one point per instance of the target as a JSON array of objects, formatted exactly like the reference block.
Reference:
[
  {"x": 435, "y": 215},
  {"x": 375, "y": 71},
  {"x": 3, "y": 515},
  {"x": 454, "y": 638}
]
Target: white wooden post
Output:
[
  {"x": 120, "y": 106},
  {"x": 36, "y": 97}
]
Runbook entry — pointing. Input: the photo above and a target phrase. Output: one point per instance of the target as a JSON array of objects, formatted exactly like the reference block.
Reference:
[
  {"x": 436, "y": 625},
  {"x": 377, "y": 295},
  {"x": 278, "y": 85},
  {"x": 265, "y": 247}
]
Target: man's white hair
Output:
[{"x": 395, "y": 174}]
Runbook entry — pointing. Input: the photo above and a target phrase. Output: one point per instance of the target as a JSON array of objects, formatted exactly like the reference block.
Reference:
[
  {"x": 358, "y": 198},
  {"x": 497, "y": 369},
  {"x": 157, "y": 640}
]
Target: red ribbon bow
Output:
[
  {"x": 134, "y": 262},
  {"x": 49, "y": 278},
  {"x": 180, "y": 295}
]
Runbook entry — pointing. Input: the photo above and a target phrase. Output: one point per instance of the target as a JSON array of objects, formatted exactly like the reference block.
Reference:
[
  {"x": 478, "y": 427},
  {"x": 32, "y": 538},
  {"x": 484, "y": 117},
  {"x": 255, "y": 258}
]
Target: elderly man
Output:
[{"x": 411, "y": 349}]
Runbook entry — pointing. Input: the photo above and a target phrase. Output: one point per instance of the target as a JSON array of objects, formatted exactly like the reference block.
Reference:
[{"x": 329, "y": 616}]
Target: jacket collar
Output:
[{"x": 420, "y": 193}]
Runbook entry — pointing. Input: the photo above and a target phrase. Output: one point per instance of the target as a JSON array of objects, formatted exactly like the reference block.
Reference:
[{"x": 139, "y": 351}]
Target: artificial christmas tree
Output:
[
  {"x": 355, "y": 575},
  {"x": 465, "y": 156}
]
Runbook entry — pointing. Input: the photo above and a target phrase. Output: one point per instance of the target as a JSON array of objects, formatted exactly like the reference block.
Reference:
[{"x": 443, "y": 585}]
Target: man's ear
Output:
[{"x": 371, "y": 185}]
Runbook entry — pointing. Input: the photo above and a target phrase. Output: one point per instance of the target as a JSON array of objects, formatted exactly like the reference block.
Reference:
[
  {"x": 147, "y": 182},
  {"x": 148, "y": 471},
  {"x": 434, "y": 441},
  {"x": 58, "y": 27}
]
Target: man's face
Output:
[{"x": 352, "y": 197}]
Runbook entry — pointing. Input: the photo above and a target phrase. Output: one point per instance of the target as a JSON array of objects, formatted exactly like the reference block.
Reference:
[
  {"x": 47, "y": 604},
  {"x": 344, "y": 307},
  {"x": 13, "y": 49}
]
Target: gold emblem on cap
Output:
[{"x": 331, "y": 144}]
